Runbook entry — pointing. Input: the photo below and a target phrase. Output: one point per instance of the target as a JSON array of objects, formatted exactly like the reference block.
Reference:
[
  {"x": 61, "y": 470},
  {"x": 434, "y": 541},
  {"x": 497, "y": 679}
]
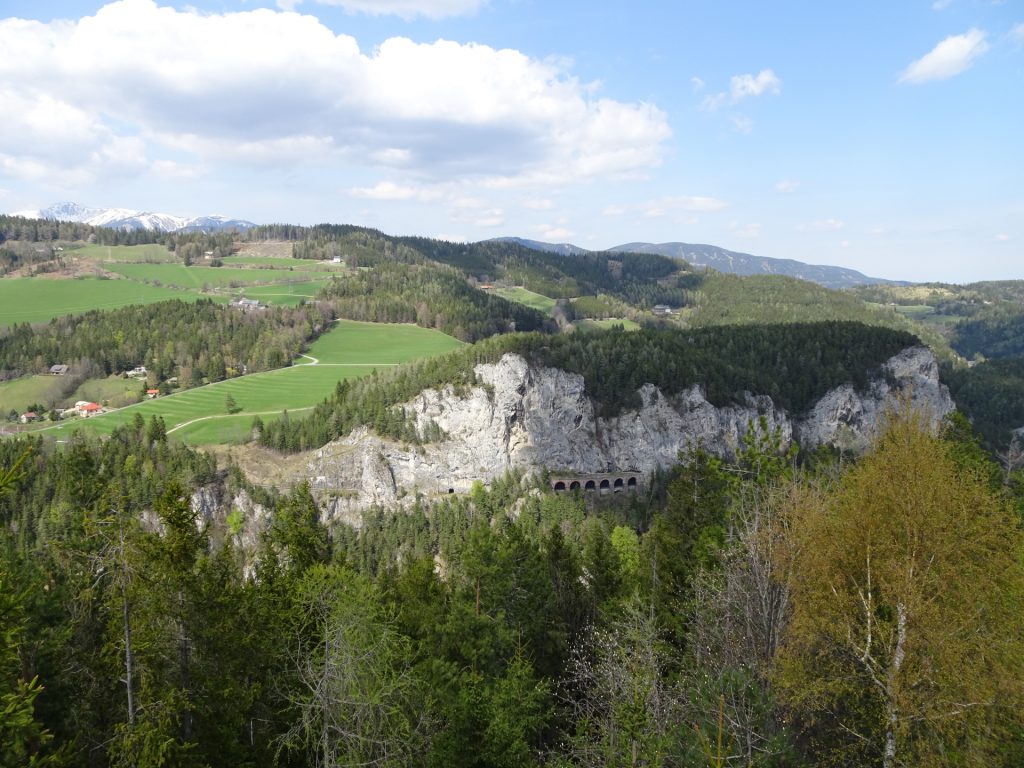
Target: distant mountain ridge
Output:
[
  {"x": 128, "y": 219},
  {"x": 565, "y": 249},
  {"x": 736, "y": 263},
  {"x": 724, "y": 260}
]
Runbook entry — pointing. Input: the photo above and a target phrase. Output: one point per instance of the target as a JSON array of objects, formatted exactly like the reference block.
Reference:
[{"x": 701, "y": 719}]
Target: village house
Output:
[
  {"x": 662, "y": 309},
  {"x": 28, "y": 416},
  {"x": 151, "y": 393},
  {"x": 86, "y": 409},
  {"x": 138, "y": 371},
  {"x": 58, "y": 370},
  {"x": 247, "y": 305}
]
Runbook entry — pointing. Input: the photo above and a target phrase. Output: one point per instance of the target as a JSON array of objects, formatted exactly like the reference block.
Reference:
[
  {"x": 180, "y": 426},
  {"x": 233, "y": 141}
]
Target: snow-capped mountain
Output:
[{"x": 125, "y": 218}]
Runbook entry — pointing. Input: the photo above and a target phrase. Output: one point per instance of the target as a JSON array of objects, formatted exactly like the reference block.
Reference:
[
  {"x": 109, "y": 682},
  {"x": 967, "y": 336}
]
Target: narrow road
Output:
[{"x": 232, "y": 415}]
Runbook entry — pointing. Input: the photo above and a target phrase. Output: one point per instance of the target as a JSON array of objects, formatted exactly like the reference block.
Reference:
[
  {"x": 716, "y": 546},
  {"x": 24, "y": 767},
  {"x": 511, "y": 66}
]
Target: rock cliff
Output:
[{"x": 528, "y": 418}]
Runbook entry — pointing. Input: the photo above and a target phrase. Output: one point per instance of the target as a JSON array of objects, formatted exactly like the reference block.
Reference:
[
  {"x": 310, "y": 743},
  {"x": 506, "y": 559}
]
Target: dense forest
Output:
[
  {"x": 191, "y": 340},
  {"x": 991, "y": 394},
  {"x": 432, "y": 296},
  {"x": 793, "y": 364},
  {"x": 756, "y": 614}
]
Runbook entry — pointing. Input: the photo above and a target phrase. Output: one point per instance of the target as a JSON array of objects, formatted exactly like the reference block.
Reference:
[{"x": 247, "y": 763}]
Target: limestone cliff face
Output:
[{"x": 529, "y": 418}]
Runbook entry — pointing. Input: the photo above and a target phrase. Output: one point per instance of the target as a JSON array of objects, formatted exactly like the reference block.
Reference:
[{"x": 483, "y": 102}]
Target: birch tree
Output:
[{"x": 905, "y": 644}]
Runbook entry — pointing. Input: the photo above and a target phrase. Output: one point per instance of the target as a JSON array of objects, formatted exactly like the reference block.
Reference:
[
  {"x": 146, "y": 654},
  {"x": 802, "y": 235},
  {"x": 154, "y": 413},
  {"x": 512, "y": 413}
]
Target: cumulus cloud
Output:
[
  {"x": 407, "y": 9},
  {"x": 949, "y": 58},
  {"x": 742, "y": 87},
  {"x": 264, "y": 87}
]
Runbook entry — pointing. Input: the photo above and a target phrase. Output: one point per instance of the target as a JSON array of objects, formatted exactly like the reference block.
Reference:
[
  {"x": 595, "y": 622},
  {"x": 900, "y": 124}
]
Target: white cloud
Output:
[
  {"x": 787, "y": 185},
  {"x": 742, "y": 123},
  {"x": 614, "y": 210},
  {"x": 711, "y": 103},
  {"x": 391, "y": 191},
  {"x": 542, "y": 204},
  {"x": 949, "y": 58},
  {"x": 1017, "y": 32},
  {"x": 741, "y": 86},
  {"x": 697, "y": 83},
  {"x": 939, "y": 5},
  {"x": 689, "y": 203},
  {"x": 551, "y": 232},
  {"x": 822, "y": 225},
  {"x": 492, "y": 218},
  {"x": 1001, "y": 238},
  {"x": 264, "y": 88},
  {"x": 407, "y": 9}
]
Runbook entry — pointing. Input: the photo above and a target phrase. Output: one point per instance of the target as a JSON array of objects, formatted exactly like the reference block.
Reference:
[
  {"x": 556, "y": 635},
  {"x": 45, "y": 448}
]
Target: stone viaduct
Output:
[{"x": 599, "y": 482}]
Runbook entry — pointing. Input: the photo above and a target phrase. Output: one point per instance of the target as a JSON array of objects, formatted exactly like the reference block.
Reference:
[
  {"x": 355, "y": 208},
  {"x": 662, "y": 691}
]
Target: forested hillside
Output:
[
  {"x": 432, "y": 296},
  {"x": 190, "y": 340},
  {"x": 717, "y": 619}
]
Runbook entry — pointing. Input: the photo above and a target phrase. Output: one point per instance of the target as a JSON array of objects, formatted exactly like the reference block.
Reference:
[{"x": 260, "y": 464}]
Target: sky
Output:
[{"x": 881, "y": 136}]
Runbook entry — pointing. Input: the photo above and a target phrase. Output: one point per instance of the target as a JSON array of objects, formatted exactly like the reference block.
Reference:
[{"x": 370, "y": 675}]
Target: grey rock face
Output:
[{"x": 527, "y": 418}]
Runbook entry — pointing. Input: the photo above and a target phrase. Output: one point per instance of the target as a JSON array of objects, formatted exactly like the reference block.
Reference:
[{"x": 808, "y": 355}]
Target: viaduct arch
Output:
[{"x": 597, "y": 482}]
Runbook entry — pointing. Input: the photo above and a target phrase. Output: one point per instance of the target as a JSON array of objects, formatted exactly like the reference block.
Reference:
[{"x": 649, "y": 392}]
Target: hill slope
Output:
[{"x": 747, "y": 264}]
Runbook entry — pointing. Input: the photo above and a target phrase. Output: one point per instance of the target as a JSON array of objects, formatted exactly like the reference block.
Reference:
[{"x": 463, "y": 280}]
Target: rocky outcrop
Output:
[{"x": 528, "y": 418}]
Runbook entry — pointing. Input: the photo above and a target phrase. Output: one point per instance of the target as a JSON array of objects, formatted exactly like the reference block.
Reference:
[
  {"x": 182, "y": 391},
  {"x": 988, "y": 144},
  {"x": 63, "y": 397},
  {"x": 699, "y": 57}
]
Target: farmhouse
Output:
[
  {"x": 151, "y": 393},
  {"x": 247, "y": 305},
  {"x": 28, "y": 416},
  {"x": 86, "y": 409},
  {"x": 58, "y": 370},
  {"x": 138, "y": 371},
  {"x": 662, "y": 309}
]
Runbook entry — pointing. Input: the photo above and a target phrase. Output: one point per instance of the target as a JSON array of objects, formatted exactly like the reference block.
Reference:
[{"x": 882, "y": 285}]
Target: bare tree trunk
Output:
[
  {"x": 889, "y": 756},
  {"x": 129, "y": 654}
]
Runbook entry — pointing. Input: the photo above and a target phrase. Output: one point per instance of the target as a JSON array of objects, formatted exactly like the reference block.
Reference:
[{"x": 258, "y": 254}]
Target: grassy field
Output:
[
  {"x": 529, "y": 298},
  {"x": 286, "y": 295},
  {"x": 35, "y": 300},
  {"x": 19, "y": 394},
  {"x": 351, "y": 350},
  {"x": 589, "y": 325},
  {"x": 123, "y": 253},
  {"x": 284, "y": 262},
  {"x": 352, "y": 342},
  {"x": 198, "y": 277}
]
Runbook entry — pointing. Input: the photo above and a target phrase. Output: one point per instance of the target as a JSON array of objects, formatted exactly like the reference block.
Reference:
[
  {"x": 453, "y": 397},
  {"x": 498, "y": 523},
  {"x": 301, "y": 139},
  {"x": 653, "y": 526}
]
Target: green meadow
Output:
[
  {"x": 519, "y": 294},
  {"x": 35, "y": 300},
  {"x": 350, "y": 350},
  {"x": 352, "y": 342},
  {"x": 19, "y": 394},
  {"x": 286, "y": 294},
  {"x": 590, "y": 325},
  {"x": 123, "y": 253},
  {"x": 197, "y": 277},
  {"x": 284, "y": 262}
]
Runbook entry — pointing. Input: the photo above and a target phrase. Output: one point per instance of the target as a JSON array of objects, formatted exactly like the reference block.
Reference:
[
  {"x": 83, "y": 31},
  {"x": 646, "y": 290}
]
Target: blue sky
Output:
[{"x": 881, "y": 136}]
